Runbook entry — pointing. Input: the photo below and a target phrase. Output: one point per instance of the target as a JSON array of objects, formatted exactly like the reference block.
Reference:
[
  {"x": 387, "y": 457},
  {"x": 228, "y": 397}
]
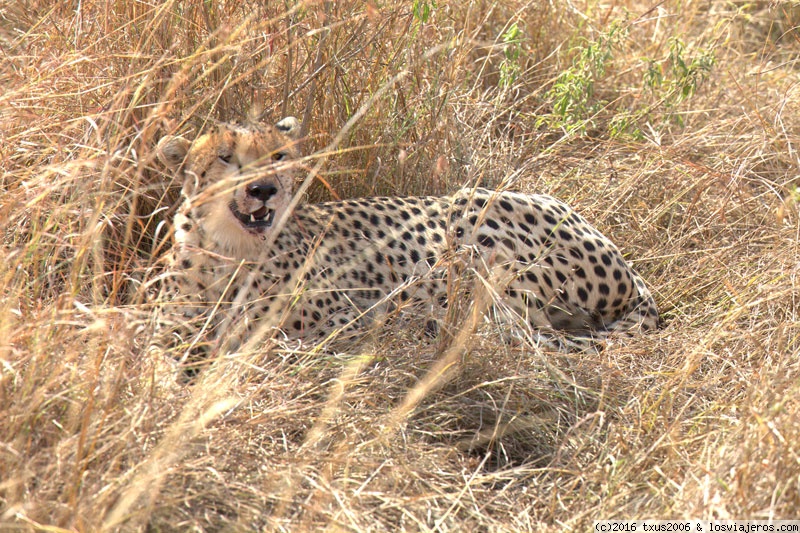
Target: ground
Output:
[{"x": 673, "y": 129}]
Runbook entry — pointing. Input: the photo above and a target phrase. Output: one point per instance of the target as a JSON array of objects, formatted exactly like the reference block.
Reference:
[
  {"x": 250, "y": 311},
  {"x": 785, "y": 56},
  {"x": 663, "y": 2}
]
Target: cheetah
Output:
[{"x": 242, "y": 258}]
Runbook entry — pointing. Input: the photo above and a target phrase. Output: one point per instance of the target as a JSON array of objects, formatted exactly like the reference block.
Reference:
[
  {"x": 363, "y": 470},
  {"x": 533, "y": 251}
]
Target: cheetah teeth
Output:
[{"x": 257, "y": 221}]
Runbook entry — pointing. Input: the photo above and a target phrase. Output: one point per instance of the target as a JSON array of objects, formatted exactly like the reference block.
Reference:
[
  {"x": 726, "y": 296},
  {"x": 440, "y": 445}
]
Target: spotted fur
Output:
[{"x": 232, "y": 271}]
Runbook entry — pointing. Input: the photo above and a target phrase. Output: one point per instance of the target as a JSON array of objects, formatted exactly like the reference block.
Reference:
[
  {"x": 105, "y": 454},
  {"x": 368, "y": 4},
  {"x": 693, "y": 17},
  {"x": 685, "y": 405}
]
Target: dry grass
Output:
[{"x": 699, "y": 420}]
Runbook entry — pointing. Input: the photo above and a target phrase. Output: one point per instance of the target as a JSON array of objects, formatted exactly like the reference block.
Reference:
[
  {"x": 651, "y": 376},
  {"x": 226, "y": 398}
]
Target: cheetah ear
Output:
[
  {"x": 172, "y": 150},
  {"x": 290, "y": 127}
]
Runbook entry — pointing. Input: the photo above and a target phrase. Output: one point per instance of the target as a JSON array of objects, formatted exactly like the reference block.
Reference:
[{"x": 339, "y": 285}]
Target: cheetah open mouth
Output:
[{"x": 257, "y": 221}]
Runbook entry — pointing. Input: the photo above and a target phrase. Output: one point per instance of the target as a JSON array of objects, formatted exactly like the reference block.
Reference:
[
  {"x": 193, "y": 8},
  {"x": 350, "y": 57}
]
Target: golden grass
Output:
[{"x": 698, "y": 420}]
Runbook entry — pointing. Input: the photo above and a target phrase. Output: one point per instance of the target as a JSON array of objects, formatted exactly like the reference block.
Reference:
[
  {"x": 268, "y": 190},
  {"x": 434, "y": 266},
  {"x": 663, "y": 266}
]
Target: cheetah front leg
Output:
[{"x": 182, "y": 326}]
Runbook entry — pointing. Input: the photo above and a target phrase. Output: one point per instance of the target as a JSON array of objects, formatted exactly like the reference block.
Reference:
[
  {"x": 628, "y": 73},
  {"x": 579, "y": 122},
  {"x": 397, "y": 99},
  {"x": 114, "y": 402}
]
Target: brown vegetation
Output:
[{"x": 674, "y": 129}]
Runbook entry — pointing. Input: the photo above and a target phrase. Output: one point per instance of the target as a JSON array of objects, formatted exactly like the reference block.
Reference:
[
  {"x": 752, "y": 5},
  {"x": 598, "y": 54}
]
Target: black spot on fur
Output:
[{"x": 485, "y": 240}]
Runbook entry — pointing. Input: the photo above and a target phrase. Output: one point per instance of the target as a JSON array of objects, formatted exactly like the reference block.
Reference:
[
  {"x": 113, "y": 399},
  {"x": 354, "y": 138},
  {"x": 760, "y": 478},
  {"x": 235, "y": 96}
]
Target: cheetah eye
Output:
[
  {"x": 225, "y": 158},
  {"x": 278, "y": 156}
]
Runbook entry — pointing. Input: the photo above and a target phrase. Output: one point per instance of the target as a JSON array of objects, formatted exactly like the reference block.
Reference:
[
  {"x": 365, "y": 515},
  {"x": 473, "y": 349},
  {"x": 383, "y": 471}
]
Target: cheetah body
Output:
[{"x": 334, "y": 264}]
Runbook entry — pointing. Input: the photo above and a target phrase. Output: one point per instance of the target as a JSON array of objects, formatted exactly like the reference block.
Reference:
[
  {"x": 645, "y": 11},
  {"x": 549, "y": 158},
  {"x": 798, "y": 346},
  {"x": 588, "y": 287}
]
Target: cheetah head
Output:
[{"x": 237, "y": 180}]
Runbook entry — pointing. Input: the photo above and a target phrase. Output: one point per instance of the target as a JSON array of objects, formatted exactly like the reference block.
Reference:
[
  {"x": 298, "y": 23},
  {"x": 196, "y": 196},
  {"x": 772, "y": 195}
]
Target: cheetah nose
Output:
[{"x": 261, "y": 191}]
